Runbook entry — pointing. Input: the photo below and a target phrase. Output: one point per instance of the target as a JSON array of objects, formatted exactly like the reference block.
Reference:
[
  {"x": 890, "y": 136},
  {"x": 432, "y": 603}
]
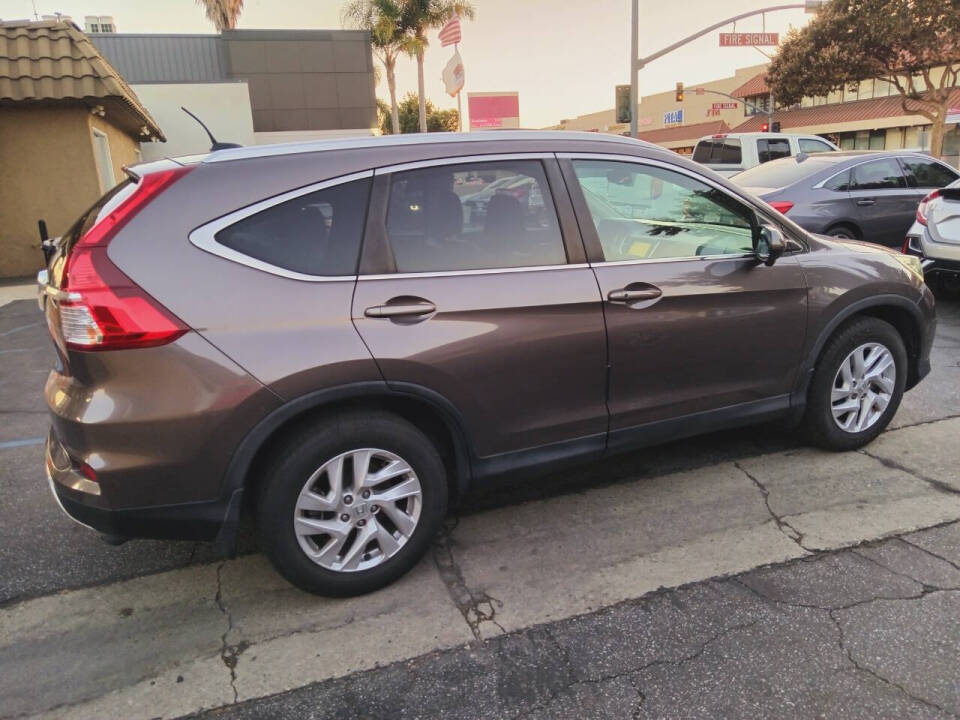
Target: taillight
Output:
[
  {"x": 781, "y": 206},
  {"x": 101, "y": 308},
  {"x": 924, "y": 205}
]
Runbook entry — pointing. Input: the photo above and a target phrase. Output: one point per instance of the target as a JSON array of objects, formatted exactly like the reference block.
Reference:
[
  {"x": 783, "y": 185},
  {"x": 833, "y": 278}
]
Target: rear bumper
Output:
[
  {"x": 933, "y": 266},
  {"x": 80, "y": 499}
]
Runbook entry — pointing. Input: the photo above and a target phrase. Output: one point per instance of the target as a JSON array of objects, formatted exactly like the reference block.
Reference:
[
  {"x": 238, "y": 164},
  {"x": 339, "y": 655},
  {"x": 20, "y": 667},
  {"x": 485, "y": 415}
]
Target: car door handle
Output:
[
  {"x": 866, "y": 202},
  {"x": 625, "y": 295},
  {"x": 406, "y": 309}
]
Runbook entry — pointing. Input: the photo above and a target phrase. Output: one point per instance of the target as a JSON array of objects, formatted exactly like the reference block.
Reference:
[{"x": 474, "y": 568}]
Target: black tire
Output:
[
  {"x": 843, "y": 231},
  {"x": 819, "y": 425},
  {"x": 312, "y": 446}
]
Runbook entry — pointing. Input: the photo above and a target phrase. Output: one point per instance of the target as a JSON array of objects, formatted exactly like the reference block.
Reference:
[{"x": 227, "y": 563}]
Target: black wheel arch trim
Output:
[
  {"x": 243, "y": 457},
  {"x": 805, "y": 373}
]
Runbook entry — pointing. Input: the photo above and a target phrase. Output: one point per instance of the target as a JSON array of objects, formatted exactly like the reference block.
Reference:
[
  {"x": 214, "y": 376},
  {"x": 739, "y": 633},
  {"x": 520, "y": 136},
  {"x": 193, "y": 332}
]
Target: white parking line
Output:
[{"x": 26, "y": 442}]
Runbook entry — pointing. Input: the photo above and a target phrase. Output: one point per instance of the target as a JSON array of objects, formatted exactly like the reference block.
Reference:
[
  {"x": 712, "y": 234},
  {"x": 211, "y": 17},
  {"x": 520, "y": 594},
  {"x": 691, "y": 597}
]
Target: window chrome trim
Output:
[
  {"x": 204, "y": 237},
  {"x": 462, "y": 160},
  {"x": 481, "y": 271},
  {"x": 917, "y": 156},
  {"x": 638, "y": 160}
]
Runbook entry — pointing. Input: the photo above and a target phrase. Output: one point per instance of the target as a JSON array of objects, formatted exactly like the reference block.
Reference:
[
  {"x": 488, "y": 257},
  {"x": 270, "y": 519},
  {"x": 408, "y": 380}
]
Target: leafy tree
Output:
[
  {"x": 419, "y": 16},
  {"x": 382, "y": 19},
  {"x": 222, "y": 13},
  {"x": 409, "y": 112},
  {"x": 905, "y": 41}
]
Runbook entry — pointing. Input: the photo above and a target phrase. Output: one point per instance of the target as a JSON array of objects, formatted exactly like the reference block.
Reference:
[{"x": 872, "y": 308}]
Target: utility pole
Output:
[
  {"x": 634, "y": 68},
  {"x": 638, "y": 63}
]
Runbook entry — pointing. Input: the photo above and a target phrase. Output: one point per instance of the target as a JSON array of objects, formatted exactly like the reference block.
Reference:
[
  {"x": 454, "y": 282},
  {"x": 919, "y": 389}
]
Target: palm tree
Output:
[
  {"x": 222, "y": 13},
  {"x": 419, "y": 16},
  {"x": 382, "y": 19}
]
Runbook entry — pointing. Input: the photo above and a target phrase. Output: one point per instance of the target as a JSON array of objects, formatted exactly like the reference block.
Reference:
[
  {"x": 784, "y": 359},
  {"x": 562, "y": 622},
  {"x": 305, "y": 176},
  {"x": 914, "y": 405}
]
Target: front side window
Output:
[
  {"x": 927, "y": 174},
  {"x": 809, "y": 146},
  {"x": 644, "y": 212},
  {"x": 315, "y": 234},
  {"x": 475, "y": 216},
  {"x": 768, "y": 150},
  {"x": 878, "y": 175}
]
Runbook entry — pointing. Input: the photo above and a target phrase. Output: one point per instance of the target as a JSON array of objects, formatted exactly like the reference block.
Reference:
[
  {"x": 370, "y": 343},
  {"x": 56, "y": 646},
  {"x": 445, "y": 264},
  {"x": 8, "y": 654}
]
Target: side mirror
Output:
[{"x": 768, "y": 245}]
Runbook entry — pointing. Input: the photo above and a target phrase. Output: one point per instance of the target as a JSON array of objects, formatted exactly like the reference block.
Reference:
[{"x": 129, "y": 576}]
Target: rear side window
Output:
[
  {"x": 701, "y": 153},
  {"x": 773, "y": 149},
  {"x": 730, "y": 153},
  {"x": 315, "y": 234},
  {"x": 839, "y": 183},
  {"x": 878, "y": 175},
  {"x": 927, "y": 174},
  {"x": 473, "y": 216},
  {"x": 808, "y": 145},
  {"x": 720, "y": 151}
]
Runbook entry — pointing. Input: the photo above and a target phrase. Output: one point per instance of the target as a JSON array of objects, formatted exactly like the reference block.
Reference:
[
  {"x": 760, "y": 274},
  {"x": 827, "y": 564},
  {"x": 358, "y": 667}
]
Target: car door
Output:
[
  {"x": 697, "y": 328},
  {"x": 885, "y": 205},
  {"x": 486, "y": 300}
]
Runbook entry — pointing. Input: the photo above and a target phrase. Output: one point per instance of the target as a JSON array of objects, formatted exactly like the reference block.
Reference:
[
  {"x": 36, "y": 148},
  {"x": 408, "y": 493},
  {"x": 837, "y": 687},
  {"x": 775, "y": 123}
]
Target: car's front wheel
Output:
[
  {"x": 349, "y": 504},
  {"x": 857, "y": 385}
]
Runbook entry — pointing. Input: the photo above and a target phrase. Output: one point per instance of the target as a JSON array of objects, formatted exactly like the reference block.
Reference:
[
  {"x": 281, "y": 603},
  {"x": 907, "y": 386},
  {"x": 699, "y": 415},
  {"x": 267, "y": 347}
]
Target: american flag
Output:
[{"x": 450, "y": 33}]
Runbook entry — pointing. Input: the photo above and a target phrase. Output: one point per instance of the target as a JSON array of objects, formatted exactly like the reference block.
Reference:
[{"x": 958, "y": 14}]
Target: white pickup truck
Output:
[{"x": 731, "y": 153}]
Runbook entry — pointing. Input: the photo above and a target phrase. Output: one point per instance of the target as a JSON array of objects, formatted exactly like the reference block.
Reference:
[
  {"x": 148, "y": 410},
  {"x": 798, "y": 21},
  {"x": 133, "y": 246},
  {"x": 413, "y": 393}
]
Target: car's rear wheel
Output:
[
  {"x": 842, "y": 232},
  {"x": 857, "y": 385},
  {"x": 351, "y": 503}
]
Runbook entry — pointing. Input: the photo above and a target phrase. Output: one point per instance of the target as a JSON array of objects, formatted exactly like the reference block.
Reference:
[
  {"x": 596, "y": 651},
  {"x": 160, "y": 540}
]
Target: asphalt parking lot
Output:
[{"x": 735, "y": 575}]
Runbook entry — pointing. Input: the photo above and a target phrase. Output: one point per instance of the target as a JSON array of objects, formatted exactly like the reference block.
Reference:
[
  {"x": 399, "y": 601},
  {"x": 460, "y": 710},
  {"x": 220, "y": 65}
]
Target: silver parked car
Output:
[
  {"x": 935, "y": 237},
  {"x": 858, "y": 195}
]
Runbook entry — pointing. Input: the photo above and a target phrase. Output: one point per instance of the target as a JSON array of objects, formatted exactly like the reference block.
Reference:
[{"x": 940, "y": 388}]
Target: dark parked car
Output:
[
  {"x": 313, "y": 331},
  {"x": 863, "y": 195}
]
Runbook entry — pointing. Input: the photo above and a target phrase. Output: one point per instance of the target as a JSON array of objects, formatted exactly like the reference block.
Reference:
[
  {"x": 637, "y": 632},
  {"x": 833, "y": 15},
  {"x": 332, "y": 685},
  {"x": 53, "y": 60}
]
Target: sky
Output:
[{"x": 564, "y": 57}]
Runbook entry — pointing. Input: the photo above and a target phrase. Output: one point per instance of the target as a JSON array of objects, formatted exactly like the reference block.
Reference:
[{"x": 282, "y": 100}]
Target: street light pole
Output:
[
  {"x": 636, "y": 64},
  {"x": 634, "y": 51}
]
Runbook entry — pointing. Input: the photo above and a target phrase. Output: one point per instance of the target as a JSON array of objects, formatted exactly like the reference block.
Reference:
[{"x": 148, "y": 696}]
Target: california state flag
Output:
[{"x": 453, "y": 75}]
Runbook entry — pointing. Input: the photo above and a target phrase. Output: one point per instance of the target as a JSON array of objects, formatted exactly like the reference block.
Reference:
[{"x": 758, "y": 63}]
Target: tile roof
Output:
[
  {"x": 684, "y": 132},
  {"x": 824, "y": 115},
  {"x": 757, "y": 85},
  {"x": 52, "y": 61}
]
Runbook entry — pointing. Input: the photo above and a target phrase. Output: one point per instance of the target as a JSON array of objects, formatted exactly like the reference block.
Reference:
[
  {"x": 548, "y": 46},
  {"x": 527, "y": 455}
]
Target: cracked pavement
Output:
[
  {"x": 863, "y": 632},
  {"x": 738, "y": 574}
]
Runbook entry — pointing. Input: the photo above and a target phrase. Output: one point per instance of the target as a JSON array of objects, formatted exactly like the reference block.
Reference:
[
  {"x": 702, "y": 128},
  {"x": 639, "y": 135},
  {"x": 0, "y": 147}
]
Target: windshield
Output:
[{"x": 780, "y": 173}]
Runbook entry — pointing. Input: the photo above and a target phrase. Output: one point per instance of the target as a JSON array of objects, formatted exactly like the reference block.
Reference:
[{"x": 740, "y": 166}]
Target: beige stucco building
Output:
[
  {"x": 867, "y": 116},
  {"x": 68, "y": 125},
  {"x": 702, "y": 114}
]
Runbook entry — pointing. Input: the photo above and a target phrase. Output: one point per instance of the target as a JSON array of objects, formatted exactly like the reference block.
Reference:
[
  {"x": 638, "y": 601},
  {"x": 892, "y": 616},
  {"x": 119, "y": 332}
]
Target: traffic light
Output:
[
  {"x": 679, "y": 92},
  {"x": 776, "y": 126},
  {"x": 765, "y": 127},
  {"x": 622, "y": 98}
]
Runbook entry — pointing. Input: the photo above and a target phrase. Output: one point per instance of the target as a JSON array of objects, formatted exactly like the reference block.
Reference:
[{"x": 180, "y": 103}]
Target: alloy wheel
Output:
[
  {"x": 862, "y": 387},
  {"x": 357, "y": 510}
]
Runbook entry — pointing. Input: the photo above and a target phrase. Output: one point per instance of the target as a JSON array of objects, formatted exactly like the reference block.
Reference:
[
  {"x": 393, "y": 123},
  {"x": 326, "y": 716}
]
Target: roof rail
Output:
[{"x": 312, "y": 146}]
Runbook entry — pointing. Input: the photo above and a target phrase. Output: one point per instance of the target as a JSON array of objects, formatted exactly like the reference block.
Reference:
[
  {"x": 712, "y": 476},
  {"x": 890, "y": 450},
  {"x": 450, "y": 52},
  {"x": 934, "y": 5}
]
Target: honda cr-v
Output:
[{"x": 344, "y": 335}]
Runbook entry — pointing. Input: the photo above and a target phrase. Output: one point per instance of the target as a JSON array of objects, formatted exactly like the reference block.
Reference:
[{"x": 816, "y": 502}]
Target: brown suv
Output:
[{"x": 345, "y": 335}]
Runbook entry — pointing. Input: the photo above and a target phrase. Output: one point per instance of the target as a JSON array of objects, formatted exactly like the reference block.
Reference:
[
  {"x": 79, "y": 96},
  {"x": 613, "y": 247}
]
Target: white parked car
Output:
[
  {"x": 935, "y": 237},
  {"x": 730, "y": 153}
]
